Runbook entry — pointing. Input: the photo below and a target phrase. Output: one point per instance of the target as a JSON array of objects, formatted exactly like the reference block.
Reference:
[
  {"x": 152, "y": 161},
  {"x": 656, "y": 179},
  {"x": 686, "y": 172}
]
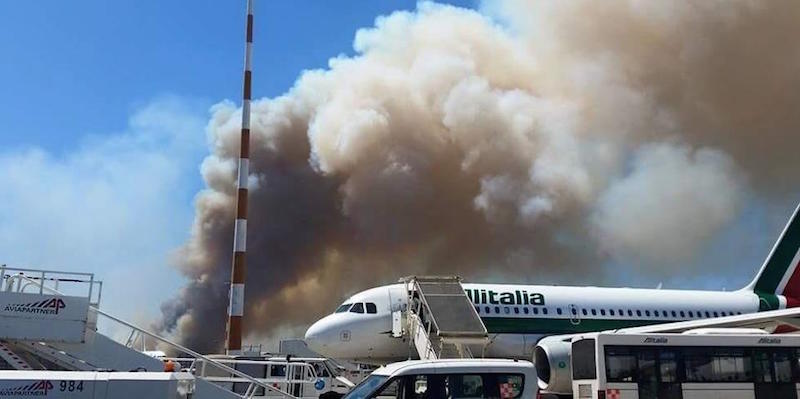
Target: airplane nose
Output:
[{"x": 315, "y": 337}]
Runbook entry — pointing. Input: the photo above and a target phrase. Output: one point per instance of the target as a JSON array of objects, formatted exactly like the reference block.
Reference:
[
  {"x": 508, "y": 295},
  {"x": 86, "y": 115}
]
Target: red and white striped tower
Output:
[{"x": 233, "y": 343}]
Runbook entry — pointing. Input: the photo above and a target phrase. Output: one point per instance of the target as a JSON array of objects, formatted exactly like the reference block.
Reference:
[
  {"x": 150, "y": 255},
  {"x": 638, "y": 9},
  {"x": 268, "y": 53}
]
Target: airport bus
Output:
[{"x": 700, "y": 365}]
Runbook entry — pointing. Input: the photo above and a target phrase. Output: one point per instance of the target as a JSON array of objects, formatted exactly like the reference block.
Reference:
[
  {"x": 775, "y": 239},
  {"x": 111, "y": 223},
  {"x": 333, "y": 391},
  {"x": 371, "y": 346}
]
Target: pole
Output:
[{"x": 233, "y": 343}]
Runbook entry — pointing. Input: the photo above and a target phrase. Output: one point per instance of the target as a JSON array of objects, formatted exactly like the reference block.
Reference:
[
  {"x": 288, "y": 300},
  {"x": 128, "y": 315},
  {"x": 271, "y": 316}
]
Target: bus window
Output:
[
  {"x": 584, "y": 364},
  {"x": 357, "y": 308},
  {"x": 783, "y": 366},
  {"x": 668, "y": 366},
  {"x": 620, "y": 364},
  {"x": 762, "y": 366},
  {"x": 717, "y": 365},
  {"x": 371, "y": 308}
]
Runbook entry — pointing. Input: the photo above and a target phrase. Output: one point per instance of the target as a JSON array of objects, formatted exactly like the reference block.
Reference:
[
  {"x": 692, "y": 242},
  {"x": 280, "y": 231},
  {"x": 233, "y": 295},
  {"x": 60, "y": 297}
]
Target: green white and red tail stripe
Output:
[{"x": 778, "y": 282}]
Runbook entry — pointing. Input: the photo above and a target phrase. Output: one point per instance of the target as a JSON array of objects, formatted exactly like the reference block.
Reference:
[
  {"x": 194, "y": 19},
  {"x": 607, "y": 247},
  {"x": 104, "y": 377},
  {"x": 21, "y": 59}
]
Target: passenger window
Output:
[
  {"x": 630, "y": 313},
  {"x": 594, "y": 312},
  {"x": 506, "y": 309},
  {"x": 391, "y": 390},
  {"x": 558, "y": 310},
  {"x": 321, "y": 370},
  {"x": 487, "y": 310},
  {"x": 655, "y": 313},
  {"x": 516, "y": 310},
  {"x": 497, "y": 309},
  {"x": 465, "y": 386},
  {"x": 638, "y": 312},
  {"x": 674, "y": 314},
  {"x": 574, "y": 311},
  {"x": 584, "y": 312},
  {"x": 723, "y": 314},
  {"x": 716, "y": 314},
  {"x": 602, "y": 312},
  {"x": 535, "y": 310},
  {"x": 647, "y": 313},
  {"x": 525, "y": 310},
  {"x": 621, "y": 313},
  {"x": 371, "y": 308},
  {"x": 277, "y": 371},
  {"x": 691, "y": 314},
  {"x": 683, "y": 314},
  {"x": 611, "y": 312},
  {"x": 544, "y": 310},
  {"x": 357, "y": 308}
]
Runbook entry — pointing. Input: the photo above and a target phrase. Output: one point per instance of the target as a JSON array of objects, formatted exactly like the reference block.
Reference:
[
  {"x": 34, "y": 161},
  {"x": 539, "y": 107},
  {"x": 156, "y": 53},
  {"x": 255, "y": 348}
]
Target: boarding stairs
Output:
[
  {"x": 441, "y": 321},
  {"x": 48, "y": 321}
]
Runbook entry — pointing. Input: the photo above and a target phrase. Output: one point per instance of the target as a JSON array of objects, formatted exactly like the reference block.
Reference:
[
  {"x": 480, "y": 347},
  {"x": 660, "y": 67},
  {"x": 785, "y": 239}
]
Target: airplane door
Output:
[{"x": 574, "y": 315}]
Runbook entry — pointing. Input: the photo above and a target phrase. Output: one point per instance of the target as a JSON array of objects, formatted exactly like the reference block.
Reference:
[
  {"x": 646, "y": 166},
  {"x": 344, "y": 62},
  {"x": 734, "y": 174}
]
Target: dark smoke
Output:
[{"x": 454, "y": 145}]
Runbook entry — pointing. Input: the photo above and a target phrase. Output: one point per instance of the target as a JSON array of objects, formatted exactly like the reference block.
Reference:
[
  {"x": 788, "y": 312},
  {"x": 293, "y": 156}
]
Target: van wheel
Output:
[{"x": 331, "y": 395}]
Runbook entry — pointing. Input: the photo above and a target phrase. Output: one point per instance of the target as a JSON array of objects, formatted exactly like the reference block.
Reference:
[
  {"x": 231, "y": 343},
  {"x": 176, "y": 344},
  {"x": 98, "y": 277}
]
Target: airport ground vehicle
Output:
[
  {"x": 685, "y": 366},
  {"x": 452, "y": 378}
]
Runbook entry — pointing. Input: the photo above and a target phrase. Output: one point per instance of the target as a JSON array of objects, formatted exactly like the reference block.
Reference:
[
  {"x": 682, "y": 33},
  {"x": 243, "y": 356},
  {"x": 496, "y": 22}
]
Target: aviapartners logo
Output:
[
  {"x": 48, "y": 306},
  {"x": 39, "y": 388}
]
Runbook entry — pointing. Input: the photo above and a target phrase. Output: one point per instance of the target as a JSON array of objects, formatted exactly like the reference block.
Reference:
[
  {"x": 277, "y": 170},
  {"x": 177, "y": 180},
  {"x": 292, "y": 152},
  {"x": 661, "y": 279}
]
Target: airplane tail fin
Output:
[{"x": 777, "y": 284}]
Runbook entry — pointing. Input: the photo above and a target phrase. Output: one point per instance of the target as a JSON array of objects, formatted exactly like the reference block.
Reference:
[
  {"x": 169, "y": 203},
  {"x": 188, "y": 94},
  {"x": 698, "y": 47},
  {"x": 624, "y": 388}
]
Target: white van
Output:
[{"x": 450, "y": 378}]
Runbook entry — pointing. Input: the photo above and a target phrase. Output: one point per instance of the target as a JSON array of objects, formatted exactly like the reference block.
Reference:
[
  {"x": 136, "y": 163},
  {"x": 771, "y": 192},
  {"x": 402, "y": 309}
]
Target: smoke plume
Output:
[{"x": 532, "y": 138}]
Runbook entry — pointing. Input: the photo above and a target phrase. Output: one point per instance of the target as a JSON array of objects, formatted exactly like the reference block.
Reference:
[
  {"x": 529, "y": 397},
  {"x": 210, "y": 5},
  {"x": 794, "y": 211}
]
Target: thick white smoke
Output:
[{"x": 455, "y": 144}]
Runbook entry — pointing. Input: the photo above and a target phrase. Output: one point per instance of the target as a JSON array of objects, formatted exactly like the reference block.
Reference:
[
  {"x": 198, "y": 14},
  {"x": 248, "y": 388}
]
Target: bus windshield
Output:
[{"x": 366, "y": 387}]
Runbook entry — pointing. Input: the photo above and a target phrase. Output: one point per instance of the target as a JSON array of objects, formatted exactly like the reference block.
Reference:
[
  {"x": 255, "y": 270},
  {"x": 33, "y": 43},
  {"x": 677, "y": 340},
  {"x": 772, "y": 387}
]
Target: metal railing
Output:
[
  {"x": 204, "y": 360},
  {"x": 39, "y": 279},
  {"x": 293, "y": 372},
  {"x": 14, "y": 279}
]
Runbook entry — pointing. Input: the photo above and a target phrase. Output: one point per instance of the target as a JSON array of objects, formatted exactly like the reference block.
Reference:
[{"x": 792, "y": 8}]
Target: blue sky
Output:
[{"x": 82, "y": 67}]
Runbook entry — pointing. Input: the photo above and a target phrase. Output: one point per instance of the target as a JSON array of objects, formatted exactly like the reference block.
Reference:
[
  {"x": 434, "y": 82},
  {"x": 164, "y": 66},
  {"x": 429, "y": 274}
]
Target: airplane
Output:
[{"x": 518, "y": 316}]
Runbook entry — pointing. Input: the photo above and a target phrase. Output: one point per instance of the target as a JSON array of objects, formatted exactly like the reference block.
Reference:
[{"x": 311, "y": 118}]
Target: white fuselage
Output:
[{"x": 517, "y": 316}]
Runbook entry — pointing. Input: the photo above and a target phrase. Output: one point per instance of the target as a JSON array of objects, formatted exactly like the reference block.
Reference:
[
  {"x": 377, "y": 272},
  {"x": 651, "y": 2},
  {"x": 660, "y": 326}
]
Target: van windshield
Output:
[
  {"x": 344, "y": 308},
  {"x": 366, "y": 387}
]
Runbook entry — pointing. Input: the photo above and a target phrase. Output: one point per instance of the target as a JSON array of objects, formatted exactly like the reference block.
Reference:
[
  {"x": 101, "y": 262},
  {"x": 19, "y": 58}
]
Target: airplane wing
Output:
[{"x": 774, "y": 320}]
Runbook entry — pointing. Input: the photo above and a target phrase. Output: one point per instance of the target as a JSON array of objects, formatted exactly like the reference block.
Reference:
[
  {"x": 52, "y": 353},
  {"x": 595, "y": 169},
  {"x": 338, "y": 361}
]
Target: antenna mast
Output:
[{"x": 233, "y": 344}]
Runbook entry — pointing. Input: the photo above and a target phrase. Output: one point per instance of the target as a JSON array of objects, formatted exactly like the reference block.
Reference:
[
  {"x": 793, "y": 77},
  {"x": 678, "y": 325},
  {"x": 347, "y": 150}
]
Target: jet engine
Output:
[{"x": 552, "y": 360}]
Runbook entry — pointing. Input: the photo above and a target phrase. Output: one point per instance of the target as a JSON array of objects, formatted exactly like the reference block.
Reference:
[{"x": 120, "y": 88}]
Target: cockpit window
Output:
[
  {"x": 357, "y": 308},
  {"x": 371, "y": 308},
  {"x": 344, "y": 308}
]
